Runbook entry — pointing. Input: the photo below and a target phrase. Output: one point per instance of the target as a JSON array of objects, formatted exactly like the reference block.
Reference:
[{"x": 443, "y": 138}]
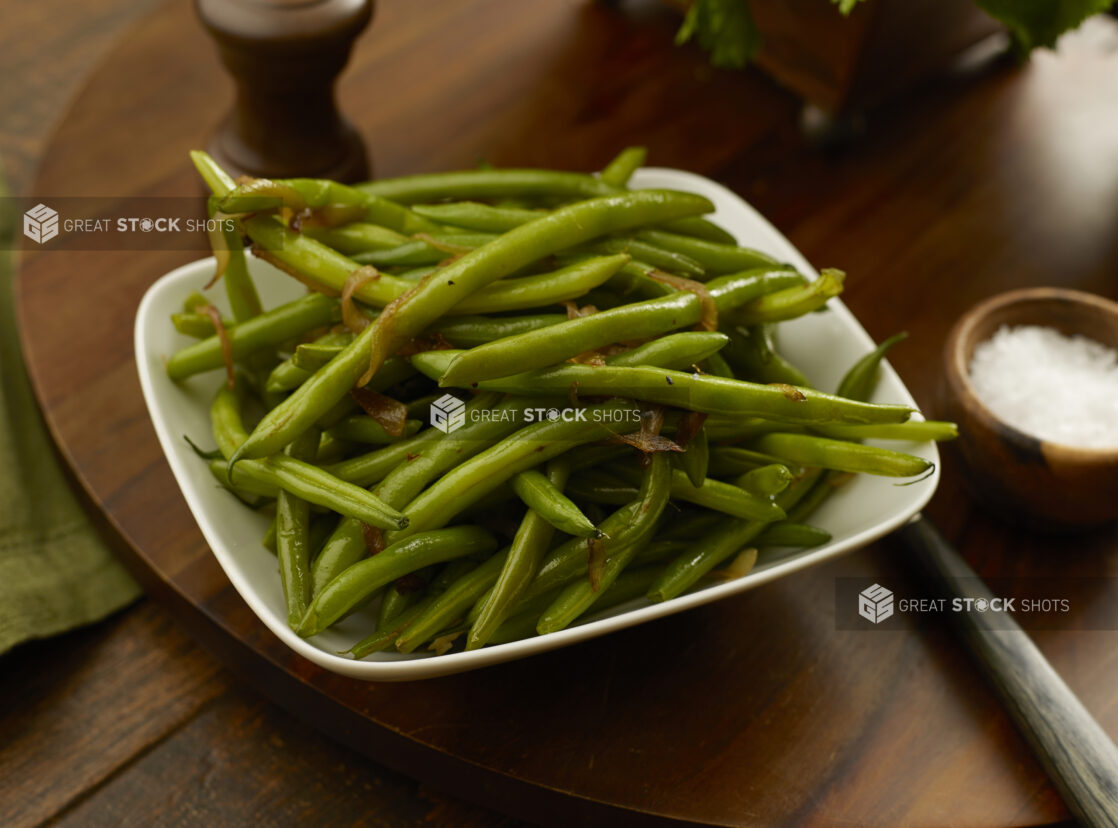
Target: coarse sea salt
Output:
[{"x": 1063, "y": 389}]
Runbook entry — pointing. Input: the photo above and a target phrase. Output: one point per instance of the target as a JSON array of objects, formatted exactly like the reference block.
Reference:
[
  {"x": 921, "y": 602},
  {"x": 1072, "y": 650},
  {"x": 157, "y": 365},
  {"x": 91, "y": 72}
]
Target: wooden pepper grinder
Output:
[{"x": 284, "y": 56}]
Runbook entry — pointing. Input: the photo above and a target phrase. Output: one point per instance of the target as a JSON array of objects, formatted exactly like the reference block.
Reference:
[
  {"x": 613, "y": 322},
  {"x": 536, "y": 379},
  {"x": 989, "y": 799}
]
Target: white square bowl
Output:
[{"x": 823, "y": 345}]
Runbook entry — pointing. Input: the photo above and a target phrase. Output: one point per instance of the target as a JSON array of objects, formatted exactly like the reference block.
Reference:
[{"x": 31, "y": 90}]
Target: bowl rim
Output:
[{"x": 957, "y": 370}]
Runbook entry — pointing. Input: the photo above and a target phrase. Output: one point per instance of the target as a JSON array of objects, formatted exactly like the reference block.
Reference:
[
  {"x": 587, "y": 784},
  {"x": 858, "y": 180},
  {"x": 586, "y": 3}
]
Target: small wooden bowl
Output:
[{"x": 1043, "y": 484}]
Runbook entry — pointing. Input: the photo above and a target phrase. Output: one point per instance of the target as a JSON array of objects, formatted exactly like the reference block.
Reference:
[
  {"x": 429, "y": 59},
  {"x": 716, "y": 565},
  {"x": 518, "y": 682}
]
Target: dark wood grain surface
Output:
[{"x": 753, "y": 711}]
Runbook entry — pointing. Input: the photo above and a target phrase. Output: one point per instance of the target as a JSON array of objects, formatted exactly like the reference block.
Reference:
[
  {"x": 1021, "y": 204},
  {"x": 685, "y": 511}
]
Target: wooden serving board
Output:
[{"x": 755, "y": 710}]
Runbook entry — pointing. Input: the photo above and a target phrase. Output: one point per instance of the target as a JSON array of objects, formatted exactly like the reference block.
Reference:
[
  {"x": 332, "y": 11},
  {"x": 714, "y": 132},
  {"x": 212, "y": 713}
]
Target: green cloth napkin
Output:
[{"x": 55, "y": 572}]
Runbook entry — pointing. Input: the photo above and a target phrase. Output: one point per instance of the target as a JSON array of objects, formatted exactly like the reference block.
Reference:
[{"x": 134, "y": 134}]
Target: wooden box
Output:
[{"x": 848, "y": 64}]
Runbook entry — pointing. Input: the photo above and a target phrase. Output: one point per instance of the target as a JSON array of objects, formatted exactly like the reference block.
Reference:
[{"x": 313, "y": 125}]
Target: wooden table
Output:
[{"x": 980, "y": 182}]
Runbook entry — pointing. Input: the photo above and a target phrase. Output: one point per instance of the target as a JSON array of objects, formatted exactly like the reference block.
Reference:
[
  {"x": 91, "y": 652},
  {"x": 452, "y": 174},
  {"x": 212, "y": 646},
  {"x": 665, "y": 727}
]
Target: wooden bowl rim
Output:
[{"x": 957, "y": 370}]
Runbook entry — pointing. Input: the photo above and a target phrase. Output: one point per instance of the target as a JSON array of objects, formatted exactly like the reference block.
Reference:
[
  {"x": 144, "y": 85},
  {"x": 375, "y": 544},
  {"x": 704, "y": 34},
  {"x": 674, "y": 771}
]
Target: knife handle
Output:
[{"x": 1075, "y": 751}]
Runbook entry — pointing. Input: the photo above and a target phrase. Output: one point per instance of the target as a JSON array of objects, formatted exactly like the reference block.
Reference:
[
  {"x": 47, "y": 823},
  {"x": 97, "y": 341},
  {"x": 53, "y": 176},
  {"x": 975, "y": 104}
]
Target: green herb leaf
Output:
[
  {"x": 724, "y": 28},
  {"x": 1040, "y": 22}
]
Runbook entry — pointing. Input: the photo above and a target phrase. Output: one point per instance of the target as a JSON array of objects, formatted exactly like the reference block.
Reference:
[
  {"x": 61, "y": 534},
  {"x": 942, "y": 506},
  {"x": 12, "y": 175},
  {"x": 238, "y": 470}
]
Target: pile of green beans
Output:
[{"x": 544, "y": 396}]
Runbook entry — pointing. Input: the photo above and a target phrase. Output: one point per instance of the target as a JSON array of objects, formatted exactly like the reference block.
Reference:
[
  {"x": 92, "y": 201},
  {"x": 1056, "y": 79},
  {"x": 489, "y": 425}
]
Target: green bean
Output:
[
  {"x": 364, "y": 429},
  {"x": 722, "y": 429},
  {"x": 419, "y": 252},
  {"x": 522, "y": 624},
  {"x": 678, "y": 350},
  {"x": 517, "y": 183},
  {"x": 751, "y": 354},
  {"x": 198, "y": 325},
  {"x": 345, "y": 546},
  {"x": 578, "y": 597},
  {"x": 245, "y": 489},
  {"x": 526, "y": 448},
  {"x": 765, "y": 481},
  {"x": 734, "y": 460},
  {"x": 322, "y": 526},
  {"x": 432, "y": 298},
  {"x": 824, "y": 452},
  {"x": 548, "y": 501},
  {"x": 338, "y": 412},
  {"x": 688, "y": 526},
  {"x": 393, "y": 601},
  {"x": 194, "y": 300},
  {"x": 421, "y": 406},
  {"x": 598, "y": 486},
  {"x": 335, "y": 202},
  {"x": 859, "y": 381},
  {"x": 536, "y": 349},
  {"x": 618, "y": 171},
  {"x": 394, "y": 371},
  {"x": 569, "y": 561},
  {"x": 453, "y": 604},
  {"x": 527, "y": 550},
  {"x": 474, "y": 216},
  {"x": 303, "y": 479},
  {"x": 384, "y": 636},
  {"x": 630, "y": 584},
  {"x": 586, "y": 456},
  {"x": 269, "y": 540},
  {"x": 403, "y": 473},
  {"x": 823, "y": 488},
  {"x": 708, "y": 394},
  {"x": 312, "y": 484},
  {"x": 218, "y": 181},
  {"x": 716, "y": 364},
  {"x": 445, "y": 451},
  {"x": 716, "y": 495},
  {"x": 468, "y": 331},
  {"x": 284, "y": 377},
  {"x": 241, "y": 292},
  {"x": 779, "y": 369},
  {"x": 317, "y": 265},
  {"x": 370, "y": 468},
  {"x": 633, "y": 280},
  {"x": 293, "y": 537},
  {"x": 332, "y": 449},
  {"x": 712, "y": 257},
  {"x": 791, "y": 302},
  {"x": 478, "y": 217},
  {"x": 257, "y": 334},
  {"x": 657, "y": 257},
  {"x": 915, "y": 430},
  {"x": 475, "y": 184},
  {"x": 361, "y": 580},
  {"x": 293, "y": 372},
  {"x": 415, "y": 274},
  {"x": 225, "y": 421},
  {"x": 387, "y": 633},
  {"x": 542, "y": 289},
  {"x": 357, "y": 237},
  {"x": 313, "y": 355},
  {"x": 695, "y": 459},
  {"x": 728, "y": 539},
  {"x": 790, "y": 533}
]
